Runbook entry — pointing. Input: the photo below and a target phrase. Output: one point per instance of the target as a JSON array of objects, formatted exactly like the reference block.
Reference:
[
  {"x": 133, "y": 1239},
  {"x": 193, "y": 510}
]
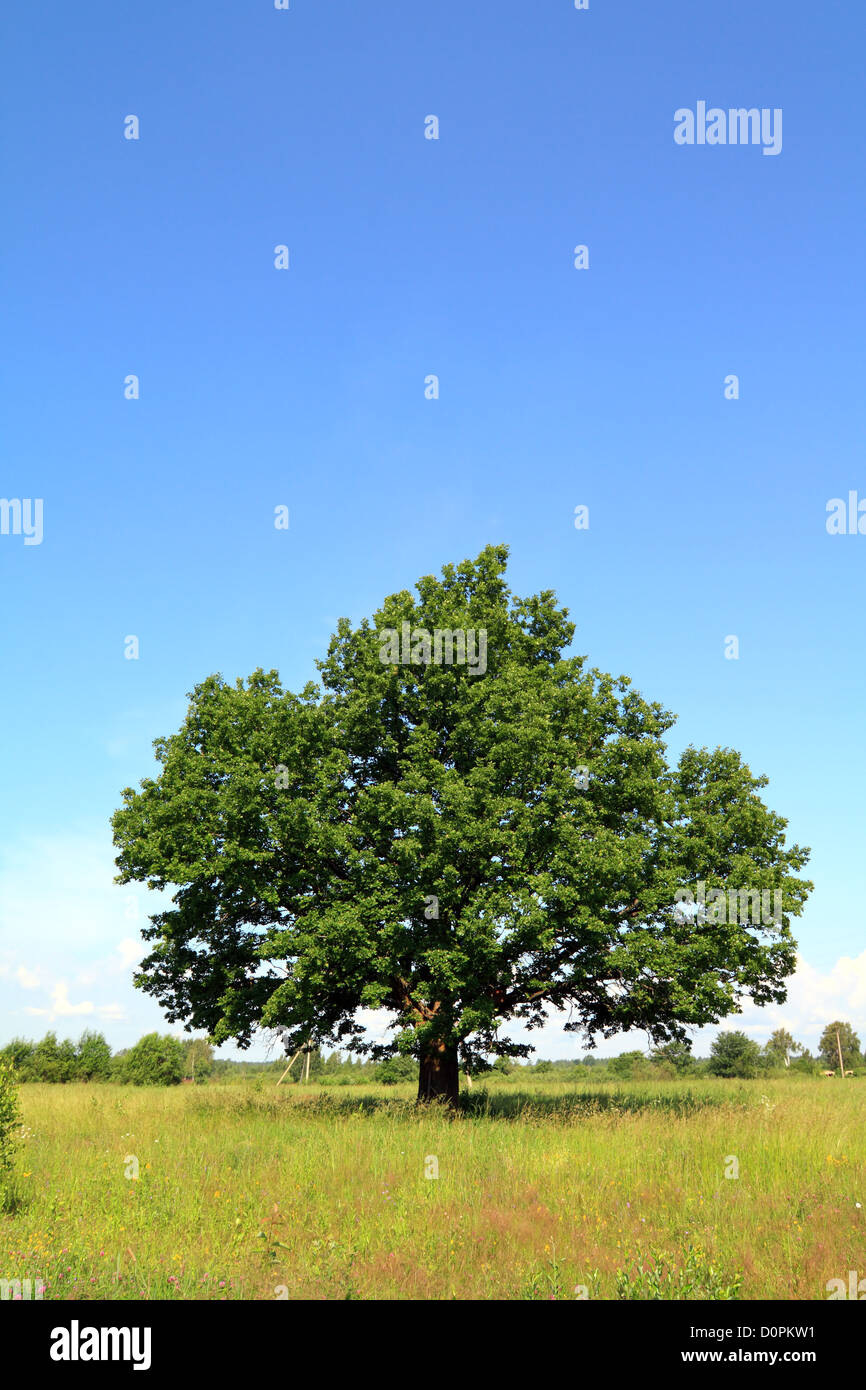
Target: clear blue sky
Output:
[{"x": 558, "y": 387}]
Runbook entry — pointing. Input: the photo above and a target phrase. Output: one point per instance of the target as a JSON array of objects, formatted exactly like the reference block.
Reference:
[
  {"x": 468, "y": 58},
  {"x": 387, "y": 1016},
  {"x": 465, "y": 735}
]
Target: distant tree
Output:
[
  {"x": 627, "y": 1065},
  {"x": 19, "y": 1054},
  {"x": 733, "y": 1054},
  {"x": 397, "y": 1069},
  {"x": 198, "y": 1060},
  {"x": 92, "y": 1057},
  {"x": 829, "y": 1051},
  {"x": 154, "y": 1061},
  {"x": 503, "y": 1065},
  {"x": 781, "y": 1047},
  {"x": 543, "y": 1066},
  {"x": 52, "y": 1060},
  {"x": 118, "y": 1063},
  {"x": 678, "y": 1054}
]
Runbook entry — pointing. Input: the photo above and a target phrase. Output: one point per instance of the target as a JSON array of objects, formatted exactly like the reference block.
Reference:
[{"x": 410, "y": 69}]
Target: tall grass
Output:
[{"x": 615, "y": 1190}]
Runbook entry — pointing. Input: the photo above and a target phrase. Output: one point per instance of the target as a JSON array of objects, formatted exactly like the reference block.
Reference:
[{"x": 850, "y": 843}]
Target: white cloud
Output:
[
  {"x": 814, "y": 1000},
  {"x": 130, "y": 951},
  {"x": 63, "y": 1007},
  {"x": 27, "y": 979}
]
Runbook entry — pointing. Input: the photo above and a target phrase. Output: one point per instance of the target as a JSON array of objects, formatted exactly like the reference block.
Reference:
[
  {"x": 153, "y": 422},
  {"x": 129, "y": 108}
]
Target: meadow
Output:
[{"x": 672, "y": 1189}]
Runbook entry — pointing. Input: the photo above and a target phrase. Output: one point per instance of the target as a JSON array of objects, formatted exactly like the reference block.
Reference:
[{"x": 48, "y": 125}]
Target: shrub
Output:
[
  {"x": 154, "y": 1061},
  {"x": 733, "y": 1054},
  {"x": 10, "y": 1118},
  {"x": 694, "y": 1276},
  {"x": 397, "y": 1069},
  {"x": 92, "y": 1057}
]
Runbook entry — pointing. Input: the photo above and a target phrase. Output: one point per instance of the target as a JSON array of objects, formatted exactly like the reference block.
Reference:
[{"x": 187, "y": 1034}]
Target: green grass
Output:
[{"x": 611, "y": 1190}]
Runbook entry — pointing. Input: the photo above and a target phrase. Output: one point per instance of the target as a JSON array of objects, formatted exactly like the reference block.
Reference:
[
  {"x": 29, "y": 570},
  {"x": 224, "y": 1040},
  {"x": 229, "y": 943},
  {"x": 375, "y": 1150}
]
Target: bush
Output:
[
  {"x": 629, "y": 1066},
  {"x": 10, "y": 1118},
  {"x": 19, "y": 1053},
  {"x": 733, "y": 1054},
  {"x": 51, "y": 1060},
  {"x": 691, "y": 1276},
  {"x": 154, "y": 1061},
  {"x": 397, "y": 1069},
  {"x": 92, "y": 1057}
]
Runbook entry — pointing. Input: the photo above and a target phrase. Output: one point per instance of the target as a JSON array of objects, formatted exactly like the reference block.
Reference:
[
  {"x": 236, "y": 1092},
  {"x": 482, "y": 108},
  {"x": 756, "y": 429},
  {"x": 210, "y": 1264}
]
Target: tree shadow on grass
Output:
[
  {"x": 576, "y": 1105},
  {"x": 520, "y": 1106}
]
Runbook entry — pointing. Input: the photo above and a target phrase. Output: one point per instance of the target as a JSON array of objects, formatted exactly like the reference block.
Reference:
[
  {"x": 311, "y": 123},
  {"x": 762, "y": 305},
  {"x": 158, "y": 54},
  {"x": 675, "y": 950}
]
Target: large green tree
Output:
[{"x": 460, "y": 844}]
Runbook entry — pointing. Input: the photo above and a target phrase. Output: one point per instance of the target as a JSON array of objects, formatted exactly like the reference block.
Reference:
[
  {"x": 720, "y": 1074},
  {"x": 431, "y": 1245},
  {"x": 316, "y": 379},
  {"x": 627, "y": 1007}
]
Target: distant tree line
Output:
[
  {"x": 155, "y": 1060},
  {"x": 164, "y": 1060},
  {"x": 732, "y": 1054}
]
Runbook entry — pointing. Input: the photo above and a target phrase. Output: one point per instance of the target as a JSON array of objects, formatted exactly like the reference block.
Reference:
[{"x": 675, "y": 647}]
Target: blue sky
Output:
[{"x": 558, "y": 387}]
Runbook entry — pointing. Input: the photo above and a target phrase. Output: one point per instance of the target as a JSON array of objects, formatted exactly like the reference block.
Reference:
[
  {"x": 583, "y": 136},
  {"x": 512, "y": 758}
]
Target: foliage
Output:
[
  {"x": 677, "y": 1054},
  {"x": 694, "y": 1276},
  {"x": 10, "y": 1117},
  {"x": 781, "y": 1047},
  {"x": 828, "y": 1050},
  {"x": 734, "y": 1054},
  {"x": 397, "y": 1069},
  {"x": 154, "y": 1061},
  {"x": 304, "y": 835},
  {"x": 628, "y": 1066},
  {"x": 51, "y": 1060},
  {"x": 198, "y": 1060},
  {"x": 92, "y": 1057}
]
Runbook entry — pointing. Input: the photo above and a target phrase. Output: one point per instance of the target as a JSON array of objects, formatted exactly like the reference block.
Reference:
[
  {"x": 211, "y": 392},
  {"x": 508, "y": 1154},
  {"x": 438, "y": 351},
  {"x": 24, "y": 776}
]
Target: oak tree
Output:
[{"x": 460, "y": 846}]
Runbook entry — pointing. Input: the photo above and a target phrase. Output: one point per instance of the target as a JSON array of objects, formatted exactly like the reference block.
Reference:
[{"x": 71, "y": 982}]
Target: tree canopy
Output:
[
  {"x": 734, "y": 1054},
  {"x": 828, "y": 1047},
  {"x": 462, "y": 847}
]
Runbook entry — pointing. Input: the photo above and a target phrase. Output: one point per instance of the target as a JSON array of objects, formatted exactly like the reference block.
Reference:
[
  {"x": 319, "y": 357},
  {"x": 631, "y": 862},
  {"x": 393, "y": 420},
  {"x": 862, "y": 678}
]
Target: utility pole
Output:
[
  {"x": 289, "y": 1067},
  {"x": 306, "y": 1049}
]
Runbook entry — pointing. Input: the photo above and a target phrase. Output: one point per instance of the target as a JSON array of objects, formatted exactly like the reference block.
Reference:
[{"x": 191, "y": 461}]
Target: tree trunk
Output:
[{"x": 439, "y": 1078}]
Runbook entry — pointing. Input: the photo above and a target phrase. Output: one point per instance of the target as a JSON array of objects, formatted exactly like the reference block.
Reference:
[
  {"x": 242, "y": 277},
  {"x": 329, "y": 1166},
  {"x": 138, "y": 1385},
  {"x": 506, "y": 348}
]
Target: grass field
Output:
[{"x": 613, "y": 1190}]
